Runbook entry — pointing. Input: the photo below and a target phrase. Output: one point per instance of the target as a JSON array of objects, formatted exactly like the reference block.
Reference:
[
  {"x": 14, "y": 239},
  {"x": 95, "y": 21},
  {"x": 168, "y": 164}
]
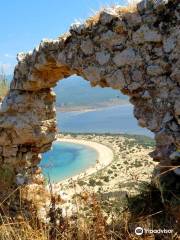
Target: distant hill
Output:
[{"x": 76, "y": 93}]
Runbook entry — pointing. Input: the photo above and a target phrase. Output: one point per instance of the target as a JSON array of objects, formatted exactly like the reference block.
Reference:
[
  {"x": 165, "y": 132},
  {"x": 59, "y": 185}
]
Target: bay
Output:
[{"x": 65, "y": 160}]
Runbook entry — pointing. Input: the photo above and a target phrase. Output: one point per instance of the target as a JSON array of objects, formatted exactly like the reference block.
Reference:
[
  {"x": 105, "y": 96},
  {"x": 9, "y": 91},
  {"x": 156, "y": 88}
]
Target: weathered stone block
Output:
[
  {"x": 155, "y": 70},
  {"x": 145, "y": 34},
  {"x": 117, "y": 80},
  {"x": 127, "y": 57},
  {"x": 102, "y": 57},
  {"x": 87, "y": 47}
]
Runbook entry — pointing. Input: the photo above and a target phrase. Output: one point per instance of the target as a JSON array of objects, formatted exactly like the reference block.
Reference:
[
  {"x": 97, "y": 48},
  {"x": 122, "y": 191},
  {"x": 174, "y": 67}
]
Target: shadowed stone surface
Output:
[{"x": 135, "y": 52}]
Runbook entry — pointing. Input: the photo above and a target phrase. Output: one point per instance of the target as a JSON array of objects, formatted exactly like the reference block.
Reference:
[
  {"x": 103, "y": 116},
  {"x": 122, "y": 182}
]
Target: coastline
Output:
[
  {"x": 114, "y": 119},
  {"x": 91, "y": 108},
  {"x": 105, "y": 157},
  {"x": 122, "y": 168}
]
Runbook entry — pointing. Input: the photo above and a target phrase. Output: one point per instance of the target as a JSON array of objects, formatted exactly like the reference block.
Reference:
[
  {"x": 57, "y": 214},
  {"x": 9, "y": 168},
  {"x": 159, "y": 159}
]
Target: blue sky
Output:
[{"x": 24, "y": 23}]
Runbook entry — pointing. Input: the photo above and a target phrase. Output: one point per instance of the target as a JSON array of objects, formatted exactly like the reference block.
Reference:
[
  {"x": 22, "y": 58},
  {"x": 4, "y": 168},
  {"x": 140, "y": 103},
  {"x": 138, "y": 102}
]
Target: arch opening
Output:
[{"x": 85, "y": 113}]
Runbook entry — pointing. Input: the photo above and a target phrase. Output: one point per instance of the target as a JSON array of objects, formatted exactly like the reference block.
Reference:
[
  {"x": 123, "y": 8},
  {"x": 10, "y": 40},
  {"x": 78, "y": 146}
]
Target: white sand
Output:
[{"x": 104, "y": 158}]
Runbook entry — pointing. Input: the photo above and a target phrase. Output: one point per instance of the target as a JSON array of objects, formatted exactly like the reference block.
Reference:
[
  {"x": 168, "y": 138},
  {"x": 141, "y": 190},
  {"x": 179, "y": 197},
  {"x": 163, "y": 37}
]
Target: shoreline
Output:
[
  {"x": 90, "y": 109},
  {"x": 105, "y": 157}
]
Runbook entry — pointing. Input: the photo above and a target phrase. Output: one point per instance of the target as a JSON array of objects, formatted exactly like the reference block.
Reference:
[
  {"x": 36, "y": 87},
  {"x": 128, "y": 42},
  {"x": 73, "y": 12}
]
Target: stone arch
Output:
[{"x": 135, "y": 52}]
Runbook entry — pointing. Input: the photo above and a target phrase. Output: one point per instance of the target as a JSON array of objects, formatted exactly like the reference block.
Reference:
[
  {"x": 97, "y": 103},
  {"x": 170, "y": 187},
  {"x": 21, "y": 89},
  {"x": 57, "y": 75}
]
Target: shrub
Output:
[
  {"x": 92, "y": 182},
  {"x": 110, "y": 171},
  {"x": 106, "y": 178}
]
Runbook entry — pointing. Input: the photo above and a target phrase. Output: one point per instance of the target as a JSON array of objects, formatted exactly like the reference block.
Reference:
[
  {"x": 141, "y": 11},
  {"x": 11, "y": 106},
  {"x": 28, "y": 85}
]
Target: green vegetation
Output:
[
  {"x": 110, "y": 171},
  {"x": 6, "y": 176},
  {"x": 92, "y": 182},
  {"x": 106, "y": 178},
  {"x": 141, "y": 140},
  {"x": 131, "y": 139}
]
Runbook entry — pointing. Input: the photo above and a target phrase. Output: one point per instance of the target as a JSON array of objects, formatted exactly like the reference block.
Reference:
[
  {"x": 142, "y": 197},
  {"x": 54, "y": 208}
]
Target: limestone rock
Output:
[
  {"x": 110, "y": 40},
  {"x": 127, "y": 57},
  {"x": 107, "y": 15},
  {"x": 93, "y": 74},
  {"x": 87, "y": 47},
  {"x": 177, "y": 110},
  {"x": 169, "y": 44},
  {"x": 21, "y": 56},
  {"x": 102, "y": 57},
  {"x": 117, "y": 80},
  {"x": 137, "y": 76},
  {"x": 77, "y": 27},
  {"x": 146, "y": 95},
  {"x": 175, "y": 75},
  {"x": 163, "y": 138},
  {"x": 154, "y": 70},
  {"x": 142, "y": 5},
  {"x": 160, "y": 4},
  {"x": 168, "y": 117},
  {"x": 146, "y": 5},
  {"x": 10, "y": 151},
  {"x": 20, "y": 179},
  {"x": 133, "y": 19},
  {"x": 134, "y": 86},
  {"x": 144, "y": 34}
]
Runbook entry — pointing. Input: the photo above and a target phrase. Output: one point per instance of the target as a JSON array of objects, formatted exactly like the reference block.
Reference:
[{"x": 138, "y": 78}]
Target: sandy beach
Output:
[
  {"x": 122, "y": 159},
  {"x": 105, "y": 157},
  {"x": 123, "y": 163}
]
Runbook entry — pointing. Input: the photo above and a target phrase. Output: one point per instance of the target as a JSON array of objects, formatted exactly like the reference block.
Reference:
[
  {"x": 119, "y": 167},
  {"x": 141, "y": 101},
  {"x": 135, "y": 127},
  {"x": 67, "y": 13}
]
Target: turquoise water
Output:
[{"x": 66, "y": 160}]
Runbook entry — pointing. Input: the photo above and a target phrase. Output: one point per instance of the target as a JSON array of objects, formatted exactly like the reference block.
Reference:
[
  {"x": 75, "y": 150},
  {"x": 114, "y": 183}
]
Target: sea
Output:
[{"x": 114, "y": 119}]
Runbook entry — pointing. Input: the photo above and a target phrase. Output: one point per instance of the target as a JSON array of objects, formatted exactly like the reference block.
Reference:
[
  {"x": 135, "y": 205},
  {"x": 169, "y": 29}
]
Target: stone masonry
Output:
[{"x": 136, "y": 52}]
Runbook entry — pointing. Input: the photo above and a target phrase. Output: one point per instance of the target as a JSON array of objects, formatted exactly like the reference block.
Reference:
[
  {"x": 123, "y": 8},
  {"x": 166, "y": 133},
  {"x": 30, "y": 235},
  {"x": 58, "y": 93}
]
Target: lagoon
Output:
[{"x": 65, "y": 160}]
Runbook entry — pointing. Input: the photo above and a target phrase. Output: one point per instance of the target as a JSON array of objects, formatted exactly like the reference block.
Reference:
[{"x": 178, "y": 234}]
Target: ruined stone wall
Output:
[{"x": 135, "y": 52}]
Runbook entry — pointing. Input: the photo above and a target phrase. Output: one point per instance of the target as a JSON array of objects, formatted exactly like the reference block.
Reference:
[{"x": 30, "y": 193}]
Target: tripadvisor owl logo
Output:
[{"x": 139, "y": 231}]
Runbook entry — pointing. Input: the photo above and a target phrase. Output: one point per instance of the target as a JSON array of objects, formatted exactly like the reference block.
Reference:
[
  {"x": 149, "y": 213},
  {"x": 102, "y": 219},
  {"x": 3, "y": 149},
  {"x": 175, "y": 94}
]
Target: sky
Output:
[{"x": 23, "y": 23}]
